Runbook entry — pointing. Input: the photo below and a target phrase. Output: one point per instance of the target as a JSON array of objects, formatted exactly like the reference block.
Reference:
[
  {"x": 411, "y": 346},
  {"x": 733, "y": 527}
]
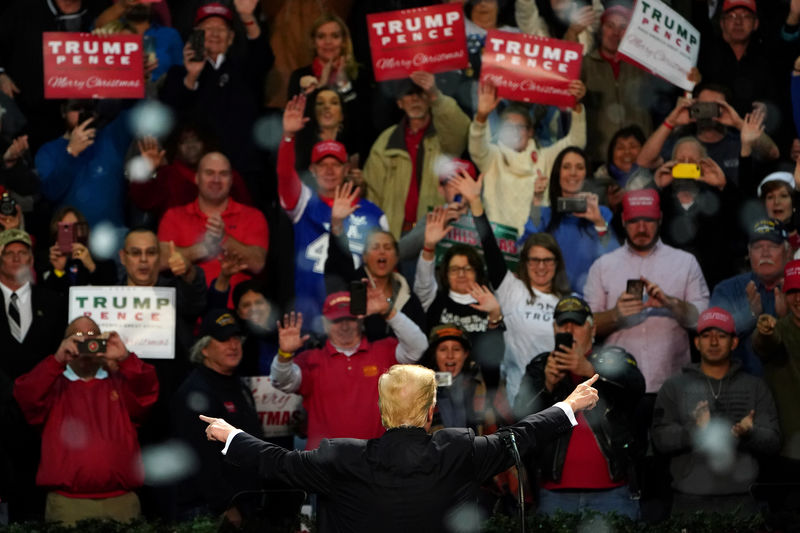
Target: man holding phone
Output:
[
  {"x": 590, "y": 468},
  {"x": 339, "y": 382},
  {"x": 94, "y": 383}
]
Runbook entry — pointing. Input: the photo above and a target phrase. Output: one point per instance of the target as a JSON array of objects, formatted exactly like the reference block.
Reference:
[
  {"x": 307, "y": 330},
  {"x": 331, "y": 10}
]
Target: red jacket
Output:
[{"x": 89, "y": 444}]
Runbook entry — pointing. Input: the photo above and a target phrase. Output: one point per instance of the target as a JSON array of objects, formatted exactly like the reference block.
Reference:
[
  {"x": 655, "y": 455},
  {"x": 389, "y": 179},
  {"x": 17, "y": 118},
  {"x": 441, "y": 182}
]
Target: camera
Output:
[
  {"x": 575, "y": 204},
  {"x": 92, "y": 346},
  {"x": 686, "y": 171},
  {"x": 704, "y": 110},
  {"x": 8, "y": 206},
  {"x": 444, "y": 379}
]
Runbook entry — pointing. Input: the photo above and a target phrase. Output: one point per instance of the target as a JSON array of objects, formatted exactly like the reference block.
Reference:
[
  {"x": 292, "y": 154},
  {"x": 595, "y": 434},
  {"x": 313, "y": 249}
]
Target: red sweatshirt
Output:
[{"x": 89, "y": 444}]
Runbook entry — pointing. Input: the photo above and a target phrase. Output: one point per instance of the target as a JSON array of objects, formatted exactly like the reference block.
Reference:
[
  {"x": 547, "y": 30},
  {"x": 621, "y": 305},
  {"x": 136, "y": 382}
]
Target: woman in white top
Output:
[{"x": 526, "y": 300}]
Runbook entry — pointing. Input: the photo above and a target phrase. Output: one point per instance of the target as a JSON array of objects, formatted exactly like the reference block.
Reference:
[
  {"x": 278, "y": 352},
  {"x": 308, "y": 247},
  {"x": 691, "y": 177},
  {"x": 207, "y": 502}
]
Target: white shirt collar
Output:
[
  {"x": 23, "y": 293},
  {"x": 218, "y": 63},
  {"x": 72, "y": 376}
]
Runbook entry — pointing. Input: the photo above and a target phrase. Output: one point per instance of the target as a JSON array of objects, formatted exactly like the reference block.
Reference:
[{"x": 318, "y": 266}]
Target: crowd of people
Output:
[{"x": 319, "y": 227}]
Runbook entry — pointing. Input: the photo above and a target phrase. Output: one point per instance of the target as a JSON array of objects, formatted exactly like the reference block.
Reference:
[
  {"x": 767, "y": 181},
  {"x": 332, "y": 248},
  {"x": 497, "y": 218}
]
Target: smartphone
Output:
[
  {"x": 704, "y": 110},
  {"x": 564, "y": 339},
  {"x": 635, "y": 287},
  {"x": 358, "y": 298},
  {"x": 575, "y": 204},
  {"x": 149, "y": 48},
  {"x": 66, "y": 236},
  {"x": 444, "y": 379},
  {"x": 92, "y": 346},
  {"x": 197, "y": 41},
  {"x": 686, "y": 171}
]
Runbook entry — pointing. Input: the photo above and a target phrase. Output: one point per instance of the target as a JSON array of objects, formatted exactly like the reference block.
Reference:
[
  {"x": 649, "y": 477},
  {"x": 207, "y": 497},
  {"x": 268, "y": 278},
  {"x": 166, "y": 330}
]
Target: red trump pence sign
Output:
[
  {"x": 430, "y": 38},
  {"x": 527, "y": 68},
  {"x": 80, "y": 65}
]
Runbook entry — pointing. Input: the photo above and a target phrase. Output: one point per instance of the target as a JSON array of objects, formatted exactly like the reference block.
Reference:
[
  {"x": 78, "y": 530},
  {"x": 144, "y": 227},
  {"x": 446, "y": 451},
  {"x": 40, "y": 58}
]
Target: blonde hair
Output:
[
  {"x": 405, "y": 393},
  {"x": 350, "y": 65}
]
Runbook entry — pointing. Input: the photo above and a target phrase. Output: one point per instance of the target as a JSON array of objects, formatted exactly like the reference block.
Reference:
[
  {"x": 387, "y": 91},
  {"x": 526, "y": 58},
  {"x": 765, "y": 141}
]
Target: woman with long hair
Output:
[{"x": 579, "y": 225}]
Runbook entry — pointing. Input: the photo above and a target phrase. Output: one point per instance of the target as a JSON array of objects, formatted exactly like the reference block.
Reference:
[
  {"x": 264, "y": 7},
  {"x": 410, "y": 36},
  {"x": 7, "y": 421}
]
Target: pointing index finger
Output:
[
  {"x": 207, "y": 419},
  {"x": 589, "y": 382}
]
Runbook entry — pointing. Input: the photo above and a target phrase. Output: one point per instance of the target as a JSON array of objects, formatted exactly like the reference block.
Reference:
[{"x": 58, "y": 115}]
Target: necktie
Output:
[{"x": 14, "y": 322}]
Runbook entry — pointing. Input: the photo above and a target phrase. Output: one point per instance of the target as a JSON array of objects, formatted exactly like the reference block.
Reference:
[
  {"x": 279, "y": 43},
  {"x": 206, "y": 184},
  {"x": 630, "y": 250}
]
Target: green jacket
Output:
[{"x": 387, "y": 171}]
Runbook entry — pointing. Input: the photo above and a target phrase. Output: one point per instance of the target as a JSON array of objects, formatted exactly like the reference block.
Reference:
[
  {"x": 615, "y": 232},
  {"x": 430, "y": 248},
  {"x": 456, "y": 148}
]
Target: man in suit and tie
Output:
[
  {"x": 406, "y": 480},
  {"x": 31, "y": 322}
]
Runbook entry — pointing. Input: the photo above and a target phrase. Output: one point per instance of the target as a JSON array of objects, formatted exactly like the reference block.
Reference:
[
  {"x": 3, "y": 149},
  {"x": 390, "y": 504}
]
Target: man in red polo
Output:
[
  {"x": 215, "y": 227},
  {"x": 339, "y": 382}
]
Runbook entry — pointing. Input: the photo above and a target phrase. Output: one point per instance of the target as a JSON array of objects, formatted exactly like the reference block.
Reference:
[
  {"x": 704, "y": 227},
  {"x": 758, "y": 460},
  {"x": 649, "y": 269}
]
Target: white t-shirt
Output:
[{"x": 529, "y": 328}]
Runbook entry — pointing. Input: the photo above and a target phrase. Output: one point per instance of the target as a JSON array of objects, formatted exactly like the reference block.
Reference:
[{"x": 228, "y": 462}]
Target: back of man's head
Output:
[{"x": 405, "y": 394}]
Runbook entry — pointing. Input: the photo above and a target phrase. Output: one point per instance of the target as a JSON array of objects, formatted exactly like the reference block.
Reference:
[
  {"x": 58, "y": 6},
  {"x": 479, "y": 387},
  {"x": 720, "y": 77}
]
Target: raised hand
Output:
[
  {"x": 290, "y": 338},
  {"x": 436, "y": 227},
  {"x": 728, "y": 115},
  {"x": 57, "y": 259},
  {"x": 469, "y": 188},
  {"x": 426, "y": 81},
  {"x": 81, "y": 137},
  {"x": 151, "y": 150},
  {"x": 82, "y": 254},
  {"x": 584, "y": 396},
  {"x": 8, "y": 86},
  {"x": 487, "y": 101},
  {"x": 711, "y": 173},
  {"x": 752, "y": 126},
  {"x": 217, "y": 429},
  {"x": 345, "y": 203},
  {"x": 193, "y": 68},
  {"x": 245, "y": 8},
  {"x": 663, "y": 175},
  {"x": 592, "y": 213},
  {"x": 176, "y": 262},
  {"x": 293, "y": 119},
  {"x": 15, "y": 150},
  {"x": 679, "y": 116},
  {"x": 486, "y": 299}
]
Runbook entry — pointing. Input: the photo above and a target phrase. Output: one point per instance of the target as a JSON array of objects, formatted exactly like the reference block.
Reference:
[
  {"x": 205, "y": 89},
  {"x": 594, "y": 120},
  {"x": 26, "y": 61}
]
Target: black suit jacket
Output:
[
  {"x": 19, "y": 442},
  {"x": 406, "y": 480}
]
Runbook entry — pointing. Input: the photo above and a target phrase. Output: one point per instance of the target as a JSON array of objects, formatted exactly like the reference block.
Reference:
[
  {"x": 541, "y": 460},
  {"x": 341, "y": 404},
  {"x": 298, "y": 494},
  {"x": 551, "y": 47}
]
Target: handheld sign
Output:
[
  {"x": 430, "y": 38},
  {"x": 527, "y": 68},
  {"x": 276, "y": 410},
  {"x": 662, "y": 42},
  {"x": 465, "y": 232},
  {"x": 144, "y": 317},
  {"x": 81, "y": 65}
]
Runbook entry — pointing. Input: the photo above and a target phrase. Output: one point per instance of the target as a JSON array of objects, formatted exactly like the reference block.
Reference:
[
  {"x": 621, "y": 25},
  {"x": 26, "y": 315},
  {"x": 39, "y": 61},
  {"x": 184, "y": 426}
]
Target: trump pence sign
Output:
[
  {"x": 527, "y": 68},
  {"x": 81, "y": 65},
  {"x": 661, "y": 41},
  {"x": 430, "y": 38},
  {"x": 143, "y": 316}
]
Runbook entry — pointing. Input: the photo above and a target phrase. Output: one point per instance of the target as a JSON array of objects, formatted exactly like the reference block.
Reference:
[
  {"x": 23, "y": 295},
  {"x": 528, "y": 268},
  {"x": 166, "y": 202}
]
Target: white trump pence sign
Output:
[{"x": 143, "y": 316}]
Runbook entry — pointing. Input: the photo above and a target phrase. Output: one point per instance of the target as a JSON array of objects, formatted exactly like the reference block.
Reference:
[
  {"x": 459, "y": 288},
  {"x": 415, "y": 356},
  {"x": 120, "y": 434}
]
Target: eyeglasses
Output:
[
  {"x": 736, "y": 17},
  {"x": 456, "y": 270},
  {"x": 546, "y": 261}
]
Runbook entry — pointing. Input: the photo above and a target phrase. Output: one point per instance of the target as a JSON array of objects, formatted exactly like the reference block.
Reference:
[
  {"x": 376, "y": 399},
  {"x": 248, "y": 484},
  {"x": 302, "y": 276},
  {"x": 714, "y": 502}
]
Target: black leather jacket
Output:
[{"x": 611, "y": 420}]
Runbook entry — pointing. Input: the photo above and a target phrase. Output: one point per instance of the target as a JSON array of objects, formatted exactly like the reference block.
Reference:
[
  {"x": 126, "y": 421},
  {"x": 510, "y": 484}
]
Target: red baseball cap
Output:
[
  {"x": 643, "y": 203},
  {"x": 727, "y": 5},
  {"x": 716, "y": 317},
  {"x": 337, "y": 306},
  {"x": 791, "y": 276},
  {"x": 449, "y": 168},
  {"x": 329, "y": 148},
  {"x": 213, "y": 10}
]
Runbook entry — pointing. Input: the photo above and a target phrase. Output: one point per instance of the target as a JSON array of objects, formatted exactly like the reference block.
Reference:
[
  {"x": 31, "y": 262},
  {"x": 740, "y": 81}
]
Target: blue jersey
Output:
[{"x": 312, "y": 221}]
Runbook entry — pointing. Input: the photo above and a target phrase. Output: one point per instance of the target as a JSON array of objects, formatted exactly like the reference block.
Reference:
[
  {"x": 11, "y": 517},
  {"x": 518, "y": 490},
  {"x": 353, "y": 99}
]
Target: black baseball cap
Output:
[
  {"x": 768, "y": 229},
  {"x": 221, "y": 325},
  {"x": 571, "y": 309}
]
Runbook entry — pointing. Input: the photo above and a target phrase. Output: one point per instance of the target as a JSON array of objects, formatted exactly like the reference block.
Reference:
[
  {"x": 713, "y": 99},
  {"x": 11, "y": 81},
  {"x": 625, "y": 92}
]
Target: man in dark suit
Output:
[
  {"x": 31, "y": 322},
  {"x": 406, "y": 480}
]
